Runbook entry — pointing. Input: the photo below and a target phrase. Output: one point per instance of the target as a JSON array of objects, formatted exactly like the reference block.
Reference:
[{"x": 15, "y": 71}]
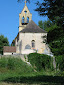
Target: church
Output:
[{"x": 29, "y": 38}]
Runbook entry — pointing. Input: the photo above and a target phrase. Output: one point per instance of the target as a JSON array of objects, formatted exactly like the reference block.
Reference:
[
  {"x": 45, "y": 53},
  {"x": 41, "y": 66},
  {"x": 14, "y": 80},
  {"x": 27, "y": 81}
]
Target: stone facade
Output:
[{"x": 26, "y": 39}]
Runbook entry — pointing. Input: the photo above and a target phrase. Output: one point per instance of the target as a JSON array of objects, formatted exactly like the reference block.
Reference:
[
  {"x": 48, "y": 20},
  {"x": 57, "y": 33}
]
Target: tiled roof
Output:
[
  {"x": 32, "y": 28},
  {"x": 9, "y": 49}
]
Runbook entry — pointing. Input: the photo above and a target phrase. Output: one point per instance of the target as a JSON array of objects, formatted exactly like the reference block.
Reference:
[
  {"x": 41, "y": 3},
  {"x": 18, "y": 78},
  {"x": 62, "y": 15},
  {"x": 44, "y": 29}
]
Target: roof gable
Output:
[
  {"x": 32, "y": 28},
  {"x": 25, "y": 9}
]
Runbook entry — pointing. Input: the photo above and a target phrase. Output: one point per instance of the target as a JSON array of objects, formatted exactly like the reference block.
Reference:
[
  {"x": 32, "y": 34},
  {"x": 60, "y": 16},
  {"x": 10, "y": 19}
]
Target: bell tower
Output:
[{"x": 24, "y": 17}]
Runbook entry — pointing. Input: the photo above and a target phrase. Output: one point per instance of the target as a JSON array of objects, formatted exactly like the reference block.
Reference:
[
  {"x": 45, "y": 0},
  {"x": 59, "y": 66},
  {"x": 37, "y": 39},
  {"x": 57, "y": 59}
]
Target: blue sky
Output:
[{"x": 9, "y": 17}]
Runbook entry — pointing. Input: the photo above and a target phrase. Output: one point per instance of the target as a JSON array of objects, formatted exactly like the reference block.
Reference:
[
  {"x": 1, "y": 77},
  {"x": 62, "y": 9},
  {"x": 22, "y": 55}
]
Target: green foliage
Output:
[
  {"x": 13, "y": 43},
  {"x": 22, "y": 73},
  {"x": 39, "y": 79},
  {"x": 55, "y": 39},
  {"x": 40, "y": 61},
  {"x": 47, "y": 25},
  {"x": 11, "y": 63},
  {"x": 14, "y": 64},
  {"x": 52, "y": 27},
  {"x": 41, "y": 24},
  {"x": 55, "y": 12},
  {"x": 60, "y": 62},
  {"x": 3, "y": 62},
  {"x": 54, "y": 9},
  {"x": 3, "y": 42}
]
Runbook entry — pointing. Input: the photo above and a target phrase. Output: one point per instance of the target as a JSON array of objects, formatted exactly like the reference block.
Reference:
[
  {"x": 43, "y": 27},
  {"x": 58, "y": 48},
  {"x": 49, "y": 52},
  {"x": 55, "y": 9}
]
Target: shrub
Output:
[
  {"x": 60, "y": 62},
  {"x": 40, "y": 61}
]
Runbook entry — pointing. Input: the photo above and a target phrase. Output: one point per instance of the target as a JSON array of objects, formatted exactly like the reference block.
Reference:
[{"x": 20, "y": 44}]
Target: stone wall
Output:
[{"x": 27, "y": 38}]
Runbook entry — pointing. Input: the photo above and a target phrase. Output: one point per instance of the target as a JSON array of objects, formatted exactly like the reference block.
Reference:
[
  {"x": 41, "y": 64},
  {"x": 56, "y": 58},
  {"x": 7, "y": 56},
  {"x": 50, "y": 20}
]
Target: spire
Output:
[{"x": 25, "y": 2}]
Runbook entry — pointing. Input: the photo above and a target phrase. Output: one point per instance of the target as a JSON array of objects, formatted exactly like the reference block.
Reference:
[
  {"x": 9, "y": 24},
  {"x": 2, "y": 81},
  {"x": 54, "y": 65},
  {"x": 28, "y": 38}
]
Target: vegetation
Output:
[
  {"x": 16, "y": 71},
  {"x": 47, "y": 25},
  {"x": 56, "y": 41},
  {"x": 3, "y": 42},
  {"x": 40, "y": 61},
  {"x": 60, "y": 62},
  {"x": 53, "y": 9},
  {"x": 55, "y": 38},
  {"x": 12, "y": 63},
  {"x": 54, "y": 26},
  {"x": 11, "y": 66}
]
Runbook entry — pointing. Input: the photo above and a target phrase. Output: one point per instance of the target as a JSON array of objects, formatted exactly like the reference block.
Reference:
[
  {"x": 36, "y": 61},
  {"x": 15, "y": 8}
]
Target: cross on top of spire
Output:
[{"x": 25, "y": 2}]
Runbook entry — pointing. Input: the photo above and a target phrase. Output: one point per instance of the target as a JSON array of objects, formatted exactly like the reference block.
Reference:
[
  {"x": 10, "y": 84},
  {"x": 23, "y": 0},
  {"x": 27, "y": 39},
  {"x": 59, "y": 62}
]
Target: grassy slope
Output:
[
  {"x": 15, "y": 70},
  {"x": 10, "y": 67}
]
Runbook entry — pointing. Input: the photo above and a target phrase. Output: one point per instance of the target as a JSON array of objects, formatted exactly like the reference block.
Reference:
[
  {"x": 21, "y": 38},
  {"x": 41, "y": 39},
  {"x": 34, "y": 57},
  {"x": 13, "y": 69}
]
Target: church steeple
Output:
[{"x": 24, "y": 17}]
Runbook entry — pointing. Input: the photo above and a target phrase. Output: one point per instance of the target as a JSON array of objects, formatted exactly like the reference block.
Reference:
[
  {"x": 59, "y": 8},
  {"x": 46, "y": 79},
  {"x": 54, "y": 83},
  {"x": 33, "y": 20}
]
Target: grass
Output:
[
  {"x": 10, "y": 67},
  {"x": 16, "y": 71},
  {"x": 3, "y": 83}
]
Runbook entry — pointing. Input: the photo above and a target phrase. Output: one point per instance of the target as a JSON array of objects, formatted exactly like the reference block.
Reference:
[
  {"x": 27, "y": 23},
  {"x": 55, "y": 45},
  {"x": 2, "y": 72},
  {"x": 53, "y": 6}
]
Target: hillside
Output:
[{"x": 15, "y": 71}]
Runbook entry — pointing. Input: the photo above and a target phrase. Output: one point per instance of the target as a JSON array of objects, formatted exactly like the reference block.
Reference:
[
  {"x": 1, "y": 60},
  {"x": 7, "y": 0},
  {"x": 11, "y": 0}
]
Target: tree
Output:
[
  {"x": 13, "y": 43},
  {"x": 47, "y": 25},
  {"x": 55, "y": 39},
  {"x": 3, "y": 42},
  {"x": 54, "y": 9},
  {"x": 40, "y": 24}
]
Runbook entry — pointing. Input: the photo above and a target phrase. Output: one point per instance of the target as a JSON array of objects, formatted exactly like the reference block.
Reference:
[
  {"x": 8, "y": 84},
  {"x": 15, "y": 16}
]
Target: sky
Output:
[{"x": 9, "y": 17}]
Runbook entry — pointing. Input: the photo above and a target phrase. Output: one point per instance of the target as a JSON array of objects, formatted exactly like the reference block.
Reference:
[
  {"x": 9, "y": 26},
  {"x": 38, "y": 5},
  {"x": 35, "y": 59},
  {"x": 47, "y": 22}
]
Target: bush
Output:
[
  {"x": 60, "y": 62},
  {"x": 40, "y": 61}
]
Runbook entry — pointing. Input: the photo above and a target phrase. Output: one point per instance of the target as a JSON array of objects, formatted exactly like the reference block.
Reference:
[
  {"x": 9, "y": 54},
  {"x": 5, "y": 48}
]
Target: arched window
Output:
[
  {"x": 27, "y": 47},
  {"x": 25, "y": 11},
  {"x": 33, "y": 44},
  {"x": 27, "y": 19},
  {"x": 23, "y": 19}
]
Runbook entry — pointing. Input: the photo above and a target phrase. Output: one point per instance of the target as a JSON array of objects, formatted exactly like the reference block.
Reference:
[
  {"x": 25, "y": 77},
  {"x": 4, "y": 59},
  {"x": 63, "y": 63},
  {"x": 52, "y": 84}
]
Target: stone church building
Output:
[{"x": 29, "y": 38}]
